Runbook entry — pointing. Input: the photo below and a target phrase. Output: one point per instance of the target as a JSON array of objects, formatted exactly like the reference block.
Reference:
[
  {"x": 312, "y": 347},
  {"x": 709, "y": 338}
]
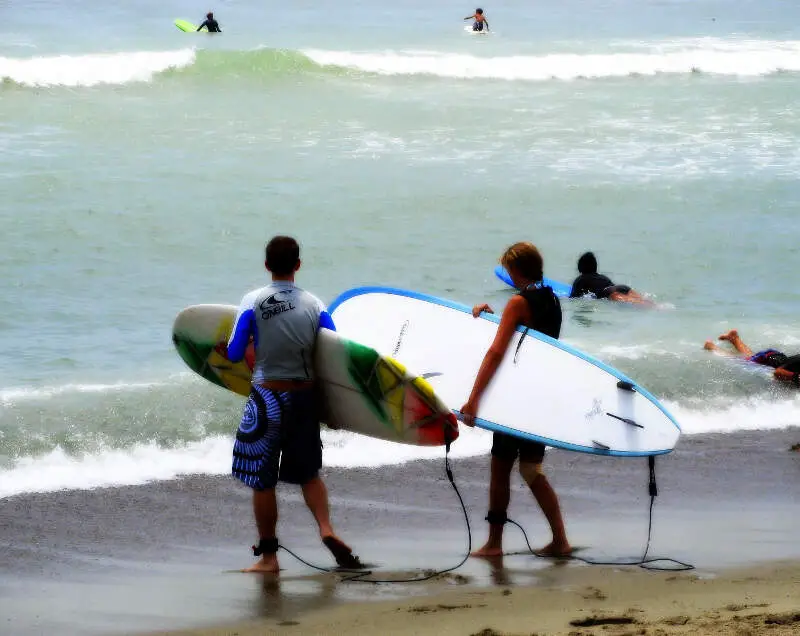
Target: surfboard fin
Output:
[
  {"x": 626, "y": 386},
  {"x": 627, "y": 420}
]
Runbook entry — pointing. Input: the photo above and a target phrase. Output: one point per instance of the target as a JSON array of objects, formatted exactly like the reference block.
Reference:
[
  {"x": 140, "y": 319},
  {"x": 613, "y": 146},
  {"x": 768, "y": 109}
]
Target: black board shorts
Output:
[
  {"x": 509, "y": 447},
  {"x": 770, "y": 358}
]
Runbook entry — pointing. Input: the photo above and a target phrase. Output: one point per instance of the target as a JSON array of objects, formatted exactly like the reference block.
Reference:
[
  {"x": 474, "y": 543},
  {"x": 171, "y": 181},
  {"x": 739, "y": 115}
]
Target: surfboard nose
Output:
[{"x": 438, "y": 431}]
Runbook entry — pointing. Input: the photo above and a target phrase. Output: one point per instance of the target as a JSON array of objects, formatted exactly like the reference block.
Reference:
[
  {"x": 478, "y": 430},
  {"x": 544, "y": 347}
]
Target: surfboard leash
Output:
[
  {"x": 643, "y": 562},
  {"x": 359, "y": 576}
]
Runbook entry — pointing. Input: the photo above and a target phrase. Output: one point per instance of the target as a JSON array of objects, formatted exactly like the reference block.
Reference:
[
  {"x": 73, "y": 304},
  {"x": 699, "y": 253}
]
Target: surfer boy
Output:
[
  {"x": 787, "y": 369},
  {"x": 279, "y": 436},
  {"x": 480, "y": 20},
  {"x": 589, "y": 282},
  {"x": 536, "y": 307},
  {"x": 210, "y": 24}
]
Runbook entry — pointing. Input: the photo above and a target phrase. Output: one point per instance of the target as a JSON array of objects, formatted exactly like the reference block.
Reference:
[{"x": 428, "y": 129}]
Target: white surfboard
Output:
[{"x": 544, "y": 390}]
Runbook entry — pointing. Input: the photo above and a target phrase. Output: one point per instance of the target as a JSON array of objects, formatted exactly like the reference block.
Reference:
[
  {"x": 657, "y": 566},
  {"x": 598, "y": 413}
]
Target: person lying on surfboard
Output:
[
  {"x": 210, "y": 24},
  {"x": 279, "y": 436},
  {"x": 787, "y": 368},
  {"x": 590, "y": 283},
  {"x": 537, "y": 307},
  {"x": 480, "y": 20}
]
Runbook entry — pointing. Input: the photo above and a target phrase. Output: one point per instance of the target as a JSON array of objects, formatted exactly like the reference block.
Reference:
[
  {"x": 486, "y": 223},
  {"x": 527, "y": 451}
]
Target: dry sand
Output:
[{"x": 572, "y": 600}]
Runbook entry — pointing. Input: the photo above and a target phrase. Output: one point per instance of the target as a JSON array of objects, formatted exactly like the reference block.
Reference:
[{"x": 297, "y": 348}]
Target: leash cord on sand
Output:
[
  {"x": 644, "y": 562},
  {"x": 358, "y": 576}
]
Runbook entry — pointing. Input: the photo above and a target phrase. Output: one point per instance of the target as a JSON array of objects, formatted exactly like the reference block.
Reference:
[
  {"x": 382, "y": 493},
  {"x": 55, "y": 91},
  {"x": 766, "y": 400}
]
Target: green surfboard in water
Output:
[{"x": 186, "y": 26}]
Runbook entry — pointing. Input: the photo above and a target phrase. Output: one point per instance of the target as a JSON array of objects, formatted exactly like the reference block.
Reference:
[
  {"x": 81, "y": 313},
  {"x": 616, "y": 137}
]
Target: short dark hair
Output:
[
  {"x": 282, "y": 255},
  {"x": 587, "y": 264}
]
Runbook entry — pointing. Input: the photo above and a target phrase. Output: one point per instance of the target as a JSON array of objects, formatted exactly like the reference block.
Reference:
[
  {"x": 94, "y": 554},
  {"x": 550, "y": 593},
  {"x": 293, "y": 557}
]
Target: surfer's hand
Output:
[
  {"x": 477, "y": 310},
  {"x": 468, "y": 413}
]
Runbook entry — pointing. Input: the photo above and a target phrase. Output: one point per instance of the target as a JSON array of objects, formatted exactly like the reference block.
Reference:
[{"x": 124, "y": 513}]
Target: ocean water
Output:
[{"x": 142, "y": 170}]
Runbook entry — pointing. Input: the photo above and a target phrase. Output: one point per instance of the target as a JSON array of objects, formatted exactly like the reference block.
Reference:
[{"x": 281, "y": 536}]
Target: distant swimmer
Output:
[
  {"x": 210, "y": 24},
  {"x": 589, "y": 282},
  {"x": 787, "y": 368},
  {"x": 480, "y": 20}
]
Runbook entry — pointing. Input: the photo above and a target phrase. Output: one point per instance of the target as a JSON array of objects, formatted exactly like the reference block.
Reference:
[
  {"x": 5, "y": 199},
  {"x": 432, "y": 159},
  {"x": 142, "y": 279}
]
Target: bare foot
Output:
[
  {"x": 555, "y": 550},
  {"x": 730, "y": 336},
  {"x": 488, "y": 551},
  {"x": 341, "y": 552},
  {"x": 710, "y": 346},
  {"x": 267, "y": 565}
]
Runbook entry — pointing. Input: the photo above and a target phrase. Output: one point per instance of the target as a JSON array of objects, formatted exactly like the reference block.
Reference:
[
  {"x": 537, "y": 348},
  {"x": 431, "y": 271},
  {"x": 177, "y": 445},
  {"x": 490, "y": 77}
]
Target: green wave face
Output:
[{"x": 256, "y": 65}]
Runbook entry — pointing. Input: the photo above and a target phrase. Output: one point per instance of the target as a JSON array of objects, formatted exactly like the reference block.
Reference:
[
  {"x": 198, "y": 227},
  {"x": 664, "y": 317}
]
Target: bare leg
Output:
[
  {"x": 316, "y": 496},
  {"x": 265, "y": 510},
  {"x": 733, "y": 337},
  {"x": 548, "y": 501},
  {"x": 499, "y": 497}
]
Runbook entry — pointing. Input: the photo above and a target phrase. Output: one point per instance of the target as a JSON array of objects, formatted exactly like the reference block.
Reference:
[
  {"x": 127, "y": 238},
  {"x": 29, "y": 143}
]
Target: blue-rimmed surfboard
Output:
[
  {"x": 544, "y": 390},
  {"x": 559, "y": 289}
]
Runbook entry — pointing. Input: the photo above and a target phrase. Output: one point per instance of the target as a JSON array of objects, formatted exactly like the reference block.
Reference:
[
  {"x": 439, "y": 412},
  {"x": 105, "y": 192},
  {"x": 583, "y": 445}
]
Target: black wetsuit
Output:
[
  {"x": 792, "y": 365},
  {"x": 778, "y": 360},
  {"x": 545, "y": 309},
  {"x": 546, "y": 312},
  {"x": 211, "y": 24},
  {"x": 597, "y": 285}
]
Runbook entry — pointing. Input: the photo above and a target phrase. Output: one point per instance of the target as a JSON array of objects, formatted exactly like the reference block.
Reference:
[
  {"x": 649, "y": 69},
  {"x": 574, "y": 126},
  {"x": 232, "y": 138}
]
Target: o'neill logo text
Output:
[{"x": 276, "y": 304}]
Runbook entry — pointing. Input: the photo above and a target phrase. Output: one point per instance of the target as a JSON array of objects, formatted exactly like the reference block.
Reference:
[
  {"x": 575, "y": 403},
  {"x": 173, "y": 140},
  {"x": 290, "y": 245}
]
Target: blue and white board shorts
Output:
[{"x": 278, "y": 438}]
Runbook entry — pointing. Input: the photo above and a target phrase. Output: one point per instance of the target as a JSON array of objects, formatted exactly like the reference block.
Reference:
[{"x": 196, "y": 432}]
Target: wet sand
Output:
[
  {"x": 163, "y": 556},
  {"x": 576, "y": 601}
]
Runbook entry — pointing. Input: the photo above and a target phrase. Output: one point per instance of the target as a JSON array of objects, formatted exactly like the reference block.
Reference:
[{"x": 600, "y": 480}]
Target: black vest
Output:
[{"x": 545, "y": 310}]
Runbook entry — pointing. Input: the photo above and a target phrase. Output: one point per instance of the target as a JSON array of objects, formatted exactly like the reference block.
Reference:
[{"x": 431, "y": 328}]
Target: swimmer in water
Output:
[
  {"x": 210, "y": 24},
  {"x": 787, "y": 368},
  {"x": 590, "y": 283}
]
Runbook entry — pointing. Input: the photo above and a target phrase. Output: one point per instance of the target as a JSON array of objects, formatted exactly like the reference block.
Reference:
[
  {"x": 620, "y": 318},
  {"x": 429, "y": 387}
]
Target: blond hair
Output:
[{"x": 525, "y": 258}]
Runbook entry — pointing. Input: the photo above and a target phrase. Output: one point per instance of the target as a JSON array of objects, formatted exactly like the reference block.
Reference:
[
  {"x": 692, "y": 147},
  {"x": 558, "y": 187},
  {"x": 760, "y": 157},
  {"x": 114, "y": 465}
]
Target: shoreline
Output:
[
  {"x": 763, "y": 599},
  {"x": 163, "y": 555}
]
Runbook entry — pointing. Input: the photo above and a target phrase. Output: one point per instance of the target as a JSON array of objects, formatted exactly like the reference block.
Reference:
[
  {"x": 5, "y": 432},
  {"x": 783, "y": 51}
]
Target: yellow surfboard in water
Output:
[{"x": 186, "y": 26}]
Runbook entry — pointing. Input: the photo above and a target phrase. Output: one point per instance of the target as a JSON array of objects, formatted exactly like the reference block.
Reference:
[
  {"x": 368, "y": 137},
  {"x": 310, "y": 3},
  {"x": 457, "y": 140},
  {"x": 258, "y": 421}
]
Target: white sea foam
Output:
[
  {"x": 727, "y": 415},
  {"x": 92, "y": 69},
  {"x": 631, "y": 352},
  {"x": 15, "y": 395},
  {"x": 147, "y": 462},
  {"x": 743, "y": 58}
]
